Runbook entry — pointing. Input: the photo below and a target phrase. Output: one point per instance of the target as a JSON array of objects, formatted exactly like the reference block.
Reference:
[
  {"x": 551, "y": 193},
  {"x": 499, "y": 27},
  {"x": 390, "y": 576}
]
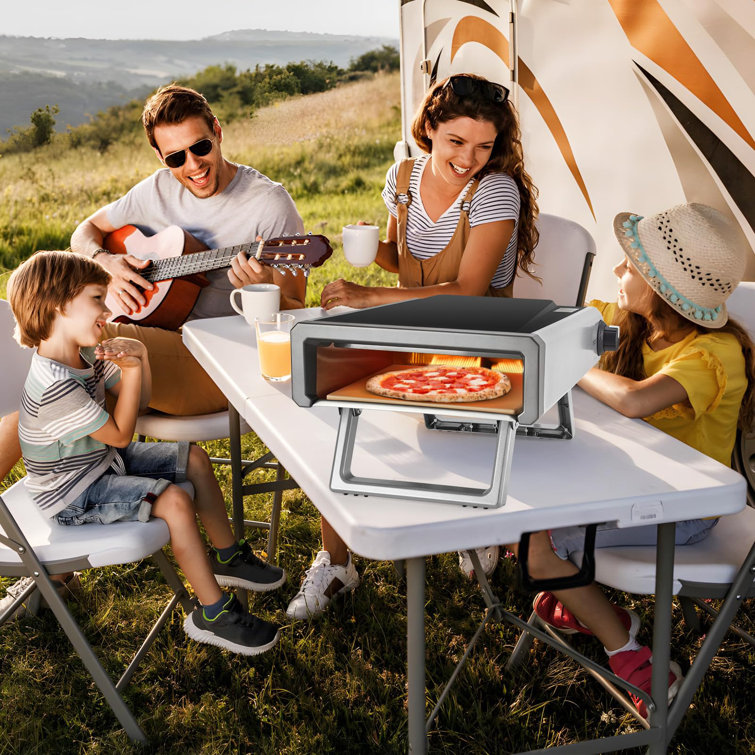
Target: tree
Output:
[
  {"x": 384, "y": 59},
  {"x": 43, "y": 125}
]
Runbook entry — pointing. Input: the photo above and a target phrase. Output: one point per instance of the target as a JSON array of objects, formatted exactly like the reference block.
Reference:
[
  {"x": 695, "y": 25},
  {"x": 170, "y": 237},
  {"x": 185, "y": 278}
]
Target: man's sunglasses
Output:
[
  {"x": 466, "y": 86},
  {"x": 200, "y": 149}
]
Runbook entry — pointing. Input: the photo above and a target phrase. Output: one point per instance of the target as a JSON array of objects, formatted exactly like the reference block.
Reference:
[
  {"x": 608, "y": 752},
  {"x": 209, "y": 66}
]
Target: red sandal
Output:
[
  {"x": 635, "y": 667},
  {"x": 557, "y": 616}
]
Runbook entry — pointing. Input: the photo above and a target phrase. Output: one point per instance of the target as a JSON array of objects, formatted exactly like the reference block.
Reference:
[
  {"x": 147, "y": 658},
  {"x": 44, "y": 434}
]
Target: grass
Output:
[{"x": 337, "y": 684}]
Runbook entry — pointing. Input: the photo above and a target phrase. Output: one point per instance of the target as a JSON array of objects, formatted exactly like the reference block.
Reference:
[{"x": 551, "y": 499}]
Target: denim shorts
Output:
[
  {"x": 150, "y": 468},
  {"x": 569, "y": 540}
]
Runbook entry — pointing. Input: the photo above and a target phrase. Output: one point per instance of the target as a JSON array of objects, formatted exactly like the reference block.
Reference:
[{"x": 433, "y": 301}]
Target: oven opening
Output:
[{"x": 342, "y": 374}]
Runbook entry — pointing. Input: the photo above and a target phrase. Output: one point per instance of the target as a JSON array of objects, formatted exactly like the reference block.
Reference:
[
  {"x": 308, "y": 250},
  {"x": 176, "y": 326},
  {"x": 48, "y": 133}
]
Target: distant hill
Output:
[{"x": 83, "y": 76}]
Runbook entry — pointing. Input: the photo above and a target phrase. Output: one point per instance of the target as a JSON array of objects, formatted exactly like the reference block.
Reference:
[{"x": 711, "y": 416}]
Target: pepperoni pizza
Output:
[{"x": 440, "y": 383}]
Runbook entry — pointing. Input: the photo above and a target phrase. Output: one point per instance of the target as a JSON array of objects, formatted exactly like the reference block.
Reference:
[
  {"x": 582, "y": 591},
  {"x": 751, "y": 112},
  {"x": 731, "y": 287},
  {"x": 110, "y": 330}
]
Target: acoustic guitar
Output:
[{"x": 179, "y": 261}]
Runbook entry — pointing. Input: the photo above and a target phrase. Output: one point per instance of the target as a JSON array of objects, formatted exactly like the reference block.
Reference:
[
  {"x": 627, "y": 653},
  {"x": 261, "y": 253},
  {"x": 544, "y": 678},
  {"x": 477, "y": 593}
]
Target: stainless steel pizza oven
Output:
[{"x": 543, "y": 348}]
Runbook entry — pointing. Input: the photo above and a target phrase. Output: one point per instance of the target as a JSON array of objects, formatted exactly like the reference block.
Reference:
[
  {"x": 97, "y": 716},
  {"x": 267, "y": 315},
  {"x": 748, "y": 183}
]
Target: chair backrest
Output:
[
  {"x": 741, "y": 306},
  {"x": 563, "y": 261},
  {"x": 15, "y": 360}
]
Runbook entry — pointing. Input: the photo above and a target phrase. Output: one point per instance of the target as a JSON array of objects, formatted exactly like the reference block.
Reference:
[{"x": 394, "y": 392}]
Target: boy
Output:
[{"x": 80, "y": 461}]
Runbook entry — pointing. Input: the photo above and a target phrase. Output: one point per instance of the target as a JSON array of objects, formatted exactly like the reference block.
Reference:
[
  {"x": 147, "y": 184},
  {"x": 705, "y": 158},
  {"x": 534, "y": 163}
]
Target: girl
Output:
[
  {"x": 461, "y": 221},
  {"x": 685, "y": 368}
]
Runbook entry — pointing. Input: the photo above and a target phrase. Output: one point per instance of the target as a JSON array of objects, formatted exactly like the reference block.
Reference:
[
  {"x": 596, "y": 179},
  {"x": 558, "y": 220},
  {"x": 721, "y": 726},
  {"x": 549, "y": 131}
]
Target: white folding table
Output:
[{"x": 614, "y": 470}]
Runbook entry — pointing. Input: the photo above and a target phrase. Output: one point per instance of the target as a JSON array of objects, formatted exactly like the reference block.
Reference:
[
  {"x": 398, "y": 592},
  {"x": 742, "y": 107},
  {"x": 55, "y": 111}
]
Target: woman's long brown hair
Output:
[
  {"x": 636, "y": 330},
  {"x": 441, "y": 104}
]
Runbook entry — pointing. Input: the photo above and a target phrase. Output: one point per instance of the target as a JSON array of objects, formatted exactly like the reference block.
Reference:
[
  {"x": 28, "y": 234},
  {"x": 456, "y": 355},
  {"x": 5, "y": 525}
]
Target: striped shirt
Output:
[
  {"x": 60, "y": 407},
  {"x": 496, "y": 198}
]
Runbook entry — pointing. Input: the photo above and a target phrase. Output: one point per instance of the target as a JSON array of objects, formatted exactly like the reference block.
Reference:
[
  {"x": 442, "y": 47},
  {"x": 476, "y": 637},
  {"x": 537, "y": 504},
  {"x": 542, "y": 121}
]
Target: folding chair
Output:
[
  {"x": 720, "y": 567},
  {"x": 563, "y": 261},
  {"x": 32, "y": 546}
]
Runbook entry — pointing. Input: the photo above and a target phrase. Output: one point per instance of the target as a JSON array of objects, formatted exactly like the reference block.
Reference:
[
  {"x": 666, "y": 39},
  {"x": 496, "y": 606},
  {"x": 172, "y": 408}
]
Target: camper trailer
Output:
[{"x": 625, "y": 105}]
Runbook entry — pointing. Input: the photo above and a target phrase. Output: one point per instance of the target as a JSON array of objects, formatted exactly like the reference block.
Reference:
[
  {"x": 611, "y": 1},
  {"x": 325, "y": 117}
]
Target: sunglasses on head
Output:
[
  {"x": 200, "y": 149},
  {"x": 466, "y": 86}
]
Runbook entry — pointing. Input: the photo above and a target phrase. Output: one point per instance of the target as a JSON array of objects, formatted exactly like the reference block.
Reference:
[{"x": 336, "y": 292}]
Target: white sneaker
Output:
[
  {"x": 68, "y": 589},
  {"x": 488, "y": 560},
  {"x": 11, "y": 594},
  {"x": 322, "y": 582}
]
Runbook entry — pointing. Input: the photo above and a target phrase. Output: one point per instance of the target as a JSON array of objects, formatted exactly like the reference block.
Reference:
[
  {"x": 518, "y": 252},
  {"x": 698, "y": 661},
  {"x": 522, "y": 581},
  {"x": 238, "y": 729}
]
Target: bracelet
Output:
[{"x": 100, "y": 251}]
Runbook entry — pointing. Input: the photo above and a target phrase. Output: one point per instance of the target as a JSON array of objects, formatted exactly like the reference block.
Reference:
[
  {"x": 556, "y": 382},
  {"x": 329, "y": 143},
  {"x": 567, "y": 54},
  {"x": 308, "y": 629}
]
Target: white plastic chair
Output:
[
  {"x": 563, "y": 261},
  {"x": 33, "y": 546},
  {"x": 722, "y": 566}
]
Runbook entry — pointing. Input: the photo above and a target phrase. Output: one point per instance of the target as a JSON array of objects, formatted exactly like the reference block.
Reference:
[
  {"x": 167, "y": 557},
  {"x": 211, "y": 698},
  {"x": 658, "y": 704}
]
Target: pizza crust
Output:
[{"x": 500, "y": 385}]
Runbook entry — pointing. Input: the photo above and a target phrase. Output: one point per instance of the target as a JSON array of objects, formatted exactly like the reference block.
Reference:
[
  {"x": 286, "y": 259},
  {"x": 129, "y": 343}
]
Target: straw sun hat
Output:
[{"x": 691, "y": 255}]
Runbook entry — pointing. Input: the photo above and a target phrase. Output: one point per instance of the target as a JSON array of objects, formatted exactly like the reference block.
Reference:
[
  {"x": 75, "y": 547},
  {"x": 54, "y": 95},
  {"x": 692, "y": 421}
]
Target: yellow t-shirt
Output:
[{"x": 711, "y": 369}]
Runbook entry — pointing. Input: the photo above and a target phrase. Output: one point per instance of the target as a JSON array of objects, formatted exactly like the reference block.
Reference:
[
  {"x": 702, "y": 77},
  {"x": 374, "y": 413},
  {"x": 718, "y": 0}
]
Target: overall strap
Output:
[{"x": 402, "y": 196}]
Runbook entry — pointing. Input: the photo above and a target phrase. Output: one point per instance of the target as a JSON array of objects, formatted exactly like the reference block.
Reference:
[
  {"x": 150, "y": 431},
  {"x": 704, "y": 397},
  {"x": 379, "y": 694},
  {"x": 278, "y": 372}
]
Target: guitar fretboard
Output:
[{"x": 213, "y": 259}]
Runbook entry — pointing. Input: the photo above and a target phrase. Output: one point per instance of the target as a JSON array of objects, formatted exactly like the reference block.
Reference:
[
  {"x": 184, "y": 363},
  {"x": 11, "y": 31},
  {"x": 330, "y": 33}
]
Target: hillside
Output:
[{"x": 83, "y": 76}]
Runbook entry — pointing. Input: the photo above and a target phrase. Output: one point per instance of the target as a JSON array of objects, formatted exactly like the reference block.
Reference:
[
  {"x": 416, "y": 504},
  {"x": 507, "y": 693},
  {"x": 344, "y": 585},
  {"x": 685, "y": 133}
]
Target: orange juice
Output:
[{"x": 275, "y": 354}]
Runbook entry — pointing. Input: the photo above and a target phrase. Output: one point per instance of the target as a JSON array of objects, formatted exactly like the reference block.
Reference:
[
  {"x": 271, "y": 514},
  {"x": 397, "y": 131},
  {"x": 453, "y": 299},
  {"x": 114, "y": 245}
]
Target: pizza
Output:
[{"x": 440, "y": 383}]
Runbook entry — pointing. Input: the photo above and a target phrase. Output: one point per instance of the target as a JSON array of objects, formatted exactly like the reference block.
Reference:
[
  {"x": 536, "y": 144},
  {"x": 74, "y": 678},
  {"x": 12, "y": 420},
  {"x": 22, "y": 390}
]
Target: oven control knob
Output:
[{"x": 607, "y": 338}]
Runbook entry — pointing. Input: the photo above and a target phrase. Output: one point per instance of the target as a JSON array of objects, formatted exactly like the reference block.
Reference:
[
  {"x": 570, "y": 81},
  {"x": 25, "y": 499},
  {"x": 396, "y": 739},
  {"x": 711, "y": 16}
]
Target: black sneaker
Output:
[
  {"x": 246, "y": 570},
  {"x": 232, "y": 629}
]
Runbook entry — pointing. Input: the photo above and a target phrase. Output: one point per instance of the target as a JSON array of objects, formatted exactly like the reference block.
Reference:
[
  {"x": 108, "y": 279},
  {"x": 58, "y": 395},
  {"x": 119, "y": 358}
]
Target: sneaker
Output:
[
  {"x": 322, "y": 582},
  {"x": 635, "y": 667},
  {"x": 557, "y": 616},
  {"x": 232, "y": 629},
  {"x": 488, "y": 560},
  {"x": 71, "y": 588},
  {"x": 246, "y": 570}
]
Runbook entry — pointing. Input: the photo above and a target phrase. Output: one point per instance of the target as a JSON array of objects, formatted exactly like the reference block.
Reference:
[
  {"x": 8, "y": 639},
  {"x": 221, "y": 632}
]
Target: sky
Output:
[{"x": 194, "y": 19}]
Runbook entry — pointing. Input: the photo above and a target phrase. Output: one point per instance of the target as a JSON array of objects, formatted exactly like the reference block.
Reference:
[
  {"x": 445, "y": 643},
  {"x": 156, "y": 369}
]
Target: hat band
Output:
[{"x": 678, "y": 300}]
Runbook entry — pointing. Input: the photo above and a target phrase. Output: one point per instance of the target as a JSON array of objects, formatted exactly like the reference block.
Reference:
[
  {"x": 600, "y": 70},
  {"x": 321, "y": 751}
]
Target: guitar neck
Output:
[{"x": 198, "y": 262}]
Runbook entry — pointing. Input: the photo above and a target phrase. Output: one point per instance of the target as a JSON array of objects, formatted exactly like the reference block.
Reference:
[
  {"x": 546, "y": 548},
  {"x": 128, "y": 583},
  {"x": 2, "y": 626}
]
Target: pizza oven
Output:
[{"x": 543, "y": 348}]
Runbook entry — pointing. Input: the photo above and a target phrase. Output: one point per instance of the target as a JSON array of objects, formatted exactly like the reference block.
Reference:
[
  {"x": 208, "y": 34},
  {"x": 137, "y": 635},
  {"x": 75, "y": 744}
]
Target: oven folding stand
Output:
[{"x": 505, "y": 427}]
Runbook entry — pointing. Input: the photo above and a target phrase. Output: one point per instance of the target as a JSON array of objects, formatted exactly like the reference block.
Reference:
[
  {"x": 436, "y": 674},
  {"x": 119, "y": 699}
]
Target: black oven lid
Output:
[{"x": 459, "y": 313}]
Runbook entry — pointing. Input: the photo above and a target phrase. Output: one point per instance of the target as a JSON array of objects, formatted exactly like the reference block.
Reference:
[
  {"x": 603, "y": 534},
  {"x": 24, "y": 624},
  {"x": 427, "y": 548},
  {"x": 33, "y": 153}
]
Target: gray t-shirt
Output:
[{"x": 251, "y": 205}]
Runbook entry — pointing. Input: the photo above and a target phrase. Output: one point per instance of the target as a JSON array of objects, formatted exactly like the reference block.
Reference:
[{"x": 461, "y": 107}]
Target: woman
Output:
[
  {"x": 462, "y": 220},
  {"x": 462, "y": 216}
]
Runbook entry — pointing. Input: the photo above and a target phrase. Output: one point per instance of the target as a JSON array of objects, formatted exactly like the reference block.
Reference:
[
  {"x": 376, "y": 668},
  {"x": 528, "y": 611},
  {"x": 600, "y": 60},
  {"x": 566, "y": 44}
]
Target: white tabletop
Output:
[{"x": 614, "y": 470}]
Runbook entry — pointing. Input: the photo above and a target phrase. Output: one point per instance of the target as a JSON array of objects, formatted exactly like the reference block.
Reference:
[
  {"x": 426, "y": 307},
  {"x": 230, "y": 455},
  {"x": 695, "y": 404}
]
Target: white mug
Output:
[
  {"x": 257, "y": 300},
  {"x": 360, "y": 244}
]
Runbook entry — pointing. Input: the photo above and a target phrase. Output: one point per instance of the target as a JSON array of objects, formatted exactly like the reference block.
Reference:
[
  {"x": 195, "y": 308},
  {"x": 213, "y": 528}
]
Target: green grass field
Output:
[{"x": 337, "y": 684}]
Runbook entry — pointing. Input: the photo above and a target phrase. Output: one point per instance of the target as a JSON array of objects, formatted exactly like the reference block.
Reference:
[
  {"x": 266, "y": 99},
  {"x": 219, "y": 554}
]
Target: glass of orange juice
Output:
[{"x": 274, "y": 345}]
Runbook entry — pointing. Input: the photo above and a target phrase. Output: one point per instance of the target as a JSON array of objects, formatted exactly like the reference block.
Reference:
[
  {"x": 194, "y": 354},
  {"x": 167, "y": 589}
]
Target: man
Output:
[{"x": 220, "y": 203}]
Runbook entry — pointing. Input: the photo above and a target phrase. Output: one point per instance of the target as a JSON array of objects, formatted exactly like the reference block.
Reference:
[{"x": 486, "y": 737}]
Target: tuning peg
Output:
[
  {"x": 305, "y": 270},
  {"x": 281, "y": 269}
]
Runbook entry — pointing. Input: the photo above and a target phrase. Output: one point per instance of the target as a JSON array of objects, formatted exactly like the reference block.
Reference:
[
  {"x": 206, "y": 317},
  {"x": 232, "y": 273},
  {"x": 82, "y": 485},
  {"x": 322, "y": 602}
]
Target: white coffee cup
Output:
[
  {"x": 257, "y": 300},
  {"x": 360, "y": 244}
]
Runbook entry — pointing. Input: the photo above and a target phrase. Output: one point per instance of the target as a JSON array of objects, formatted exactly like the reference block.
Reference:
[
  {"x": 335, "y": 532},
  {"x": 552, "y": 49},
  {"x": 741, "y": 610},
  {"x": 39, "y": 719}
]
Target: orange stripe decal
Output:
[
  {"x": 651, "y": 32},
  {"x": 473, "y": 29},
  {"x": 531, "y": 85}
]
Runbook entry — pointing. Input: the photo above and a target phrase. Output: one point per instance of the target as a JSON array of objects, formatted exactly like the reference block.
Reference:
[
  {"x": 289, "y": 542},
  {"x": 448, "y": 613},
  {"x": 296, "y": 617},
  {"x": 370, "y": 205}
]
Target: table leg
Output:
[
  {"x": 415, "y": 653},
  {"x": 664, "y": 579}
]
